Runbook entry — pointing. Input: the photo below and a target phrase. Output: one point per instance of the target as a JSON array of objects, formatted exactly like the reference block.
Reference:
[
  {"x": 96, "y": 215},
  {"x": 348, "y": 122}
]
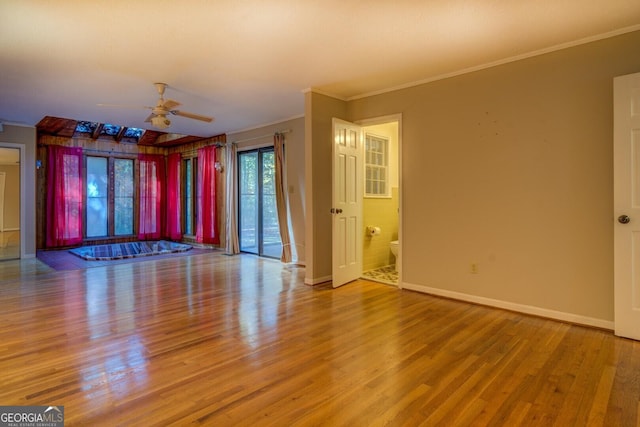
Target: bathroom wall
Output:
[{"x": 382, "y": 212}]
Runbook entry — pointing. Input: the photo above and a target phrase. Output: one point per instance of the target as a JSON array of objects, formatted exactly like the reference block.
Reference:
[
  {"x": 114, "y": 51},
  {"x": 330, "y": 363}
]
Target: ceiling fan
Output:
[{"x": 158, "y": 117}]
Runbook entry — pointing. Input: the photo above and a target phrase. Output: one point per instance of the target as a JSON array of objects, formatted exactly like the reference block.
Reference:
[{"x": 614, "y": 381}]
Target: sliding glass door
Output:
[{"x": 258, "y": 218}]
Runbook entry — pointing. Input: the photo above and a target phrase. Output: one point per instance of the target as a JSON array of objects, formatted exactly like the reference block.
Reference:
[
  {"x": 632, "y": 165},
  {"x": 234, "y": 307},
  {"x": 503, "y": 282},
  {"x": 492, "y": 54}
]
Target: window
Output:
[
  {"x": 108, "y": 131},
  {"x": 109, "y": 197},
  {"x": 376, "y": 166},
  {"x": 123, "y": 197},
  {"x": 189, "y": 190},
  {"x": 97, "y": 207}
]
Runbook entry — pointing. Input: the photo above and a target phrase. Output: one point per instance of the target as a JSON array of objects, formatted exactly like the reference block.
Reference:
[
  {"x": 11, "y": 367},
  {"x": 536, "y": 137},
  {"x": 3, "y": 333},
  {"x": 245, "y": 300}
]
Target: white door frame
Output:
[
  {"x": 22, "y": 149},
  {"x": 379, "y": 121}
]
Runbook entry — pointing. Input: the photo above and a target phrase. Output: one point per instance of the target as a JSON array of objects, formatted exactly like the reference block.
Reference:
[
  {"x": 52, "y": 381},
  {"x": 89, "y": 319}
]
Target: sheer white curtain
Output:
[
  {"x": 281, "y": 197},
  {"x": 232, "y": 245}
]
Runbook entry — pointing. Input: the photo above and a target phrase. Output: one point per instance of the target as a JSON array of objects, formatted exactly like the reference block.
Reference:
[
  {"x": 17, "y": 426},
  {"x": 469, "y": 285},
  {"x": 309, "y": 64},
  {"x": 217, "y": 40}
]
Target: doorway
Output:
[
  {"x": 10, "y": 247},
  {"x": 257, "y": 211},
  {"x": 367, "y": 244},
  {"x": 381, "y": 207}
]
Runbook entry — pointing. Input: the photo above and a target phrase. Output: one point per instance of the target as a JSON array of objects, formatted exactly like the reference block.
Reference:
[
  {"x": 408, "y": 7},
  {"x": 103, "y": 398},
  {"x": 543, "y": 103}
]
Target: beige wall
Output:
[
  {"x": 319, "y": 111},
  {"x": 11, "y": 196},
  {"x": 294, "y": 158},
  {"x": 25, "y": 138},
  {"x": 511, "y": 168}
]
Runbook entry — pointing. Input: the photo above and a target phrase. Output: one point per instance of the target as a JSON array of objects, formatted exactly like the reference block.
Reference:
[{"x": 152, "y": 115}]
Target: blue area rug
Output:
[{"x": 128, "y": 250}]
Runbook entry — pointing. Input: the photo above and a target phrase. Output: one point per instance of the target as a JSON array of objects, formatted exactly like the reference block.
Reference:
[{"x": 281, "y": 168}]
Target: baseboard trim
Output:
[
  {"x": 317, "y": 280},
  {"x": 520, "y": 308}
]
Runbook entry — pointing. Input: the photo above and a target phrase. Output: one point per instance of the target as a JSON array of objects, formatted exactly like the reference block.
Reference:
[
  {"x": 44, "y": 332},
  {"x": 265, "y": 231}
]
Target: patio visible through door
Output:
[{"x": 258, "y": 218}]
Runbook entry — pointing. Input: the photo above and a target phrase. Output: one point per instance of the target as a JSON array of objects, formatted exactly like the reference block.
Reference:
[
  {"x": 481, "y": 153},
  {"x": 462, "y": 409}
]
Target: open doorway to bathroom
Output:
[
  {"x": 9, "y": 203},
  {"x": 381, "y": 207}
]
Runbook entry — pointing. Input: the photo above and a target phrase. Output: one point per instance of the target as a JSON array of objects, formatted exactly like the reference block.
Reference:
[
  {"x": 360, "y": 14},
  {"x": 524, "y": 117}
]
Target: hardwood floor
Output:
[{"x": 218, "y": 340}]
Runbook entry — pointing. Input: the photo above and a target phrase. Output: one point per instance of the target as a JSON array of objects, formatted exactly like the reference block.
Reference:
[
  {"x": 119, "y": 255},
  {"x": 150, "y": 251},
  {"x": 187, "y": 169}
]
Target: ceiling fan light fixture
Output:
[
  {"x": 163, "y": 108},
  {"x": 160, "y": 122}
]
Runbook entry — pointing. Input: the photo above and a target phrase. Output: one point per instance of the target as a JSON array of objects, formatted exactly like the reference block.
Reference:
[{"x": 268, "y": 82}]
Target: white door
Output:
[
  {"x": 347, "y": 202},
  {"x": 626, "y": 159}
]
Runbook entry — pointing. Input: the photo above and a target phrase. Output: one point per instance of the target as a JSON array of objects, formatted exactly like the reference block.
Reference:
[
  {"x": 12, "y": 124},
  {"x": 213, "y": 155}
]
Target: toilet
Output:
[{"x": 394, "y": 250}]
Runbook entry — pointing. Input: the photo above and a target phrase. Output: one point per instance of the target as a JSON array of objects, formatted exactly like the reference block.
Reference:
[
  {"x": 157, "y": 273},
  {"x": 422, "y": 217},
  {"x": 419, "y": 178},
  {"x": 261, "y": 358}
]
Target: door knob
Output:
[
  {"x": 339, "y": 211},
  {"x": 623, "y": 219}
]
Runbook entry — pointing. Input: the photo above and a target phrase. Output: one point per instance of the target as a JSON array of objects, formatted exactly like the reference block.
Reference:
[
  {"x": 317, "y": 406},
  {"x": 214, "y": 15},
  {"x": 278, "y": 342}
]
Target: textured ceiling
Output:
[{"x": 249, "y": 62}]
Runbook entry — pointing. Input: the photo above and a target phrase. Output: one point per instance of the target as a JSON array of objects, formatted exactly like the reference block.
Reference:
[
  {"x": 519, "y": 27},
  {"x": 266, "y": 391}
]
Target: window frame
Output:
[
  {"x": 193, "y": 219},
  {"x": 111, "y": 160},
  {"x": 85, "y": 197},
  {"x": 135, "y": 196},
  {"x": 386, "y": 167}
]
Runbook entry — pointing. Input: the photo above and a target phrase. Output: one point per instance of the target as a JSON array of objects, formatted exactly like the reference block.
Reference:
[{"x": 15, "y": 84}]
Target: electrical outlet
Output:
[{"x": 474, "y": 268}]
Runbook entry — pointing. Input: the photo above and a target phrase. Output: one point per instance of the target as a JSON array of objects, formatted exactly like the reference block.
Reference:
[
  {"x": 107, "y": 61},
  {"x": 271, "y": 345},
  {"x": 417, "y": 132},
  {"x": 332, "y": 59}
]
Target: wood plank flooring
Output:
[{"x": 241, "y": 341}]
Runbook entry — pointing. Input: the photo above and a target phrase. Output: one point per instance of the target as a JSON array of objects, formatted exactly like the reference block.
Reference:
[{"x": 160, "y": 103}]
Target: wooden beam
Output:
[
  {"x": 121, "y": 133},
  {"x": 173, "y": 139},
  {"x": 97, "y": 131},
  {"x": 57, "y": 126},
  {"x": 149, "y": 137}
]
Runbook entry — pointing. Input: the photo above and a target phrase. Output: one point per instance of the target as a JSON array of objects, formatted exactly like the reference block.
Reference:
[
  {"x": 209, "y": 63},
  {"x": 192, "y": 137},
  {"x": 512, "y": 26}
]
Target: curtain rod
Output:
[{"x": 261, "y": 136}]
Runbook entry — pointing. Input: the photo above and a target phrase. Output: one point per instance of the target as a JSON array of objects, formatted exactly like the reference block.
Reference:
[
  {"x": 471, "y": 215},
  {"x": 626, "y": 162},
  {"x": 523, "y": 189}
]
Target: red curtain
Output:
[
  {"x": 207, "y": 227},
  {"x": 174, "y": 221},
  {"x": 151, "y": 194},
  {"x": 64, "y": 196}
]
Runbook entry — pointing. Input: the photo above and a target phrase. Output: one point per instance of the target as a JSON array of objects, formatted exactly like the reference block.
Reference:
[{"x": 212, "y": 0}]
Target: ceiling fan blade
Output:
[
  {"x": 148, "y": 119},
  {"x": 170, "y": 104},
  {"x": 192, "y": 116},
  {"x": 137, "y": 107}
]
